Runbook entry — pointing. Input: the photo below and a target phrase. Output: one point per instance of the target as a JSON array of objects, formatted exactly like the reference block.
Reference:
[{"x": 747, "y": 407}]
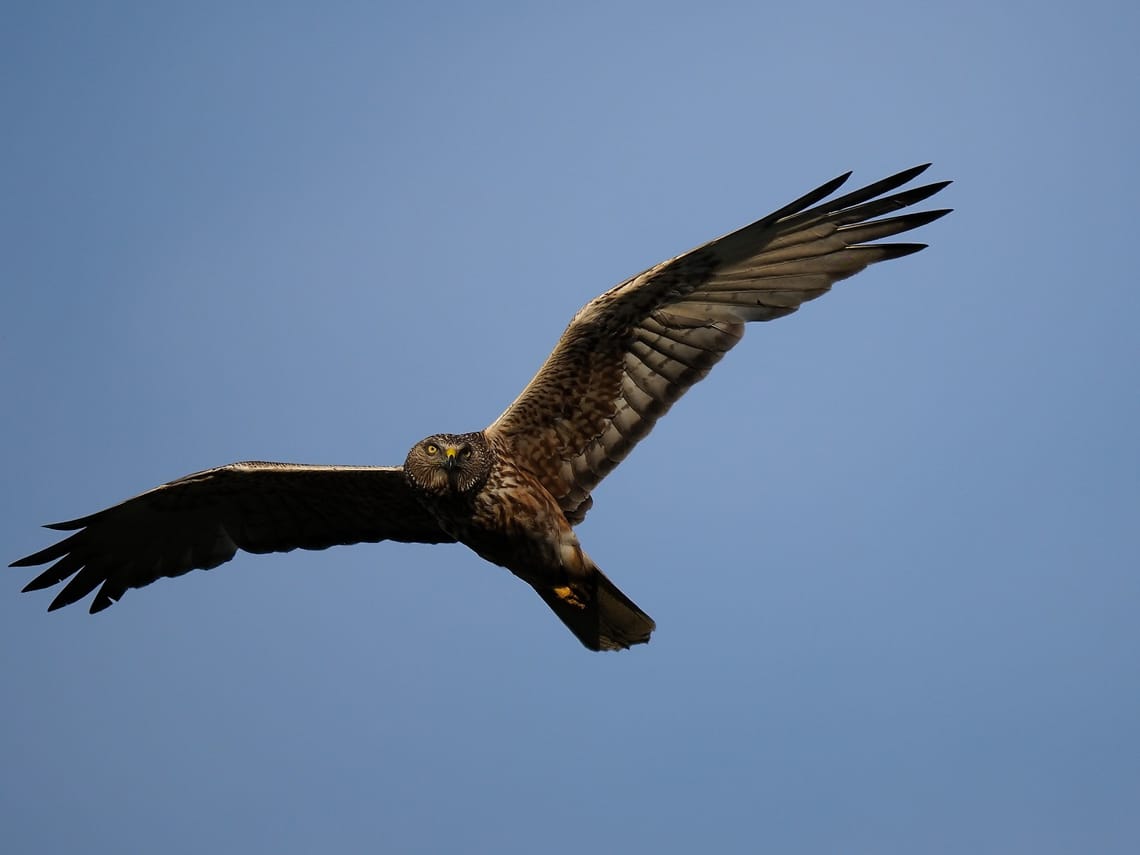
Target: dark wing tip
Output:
[
  {"x": 808, "y": 199},
  {"x": 908, "y": 174},
  {"x": 56, "y": 550},
  {"x": 50, "y": 553},
  {"x": 898, "y": 250},
  {"x": 44, "y": 580},
  {"x": 892, "y": 226},
  {"x": 924, "y": 217},
  {"x": 41, "y": 557},
  {"x": 101, "y": 601},
  {"x": 918, "y": 194},
  {"x": 69, "y": 525}
]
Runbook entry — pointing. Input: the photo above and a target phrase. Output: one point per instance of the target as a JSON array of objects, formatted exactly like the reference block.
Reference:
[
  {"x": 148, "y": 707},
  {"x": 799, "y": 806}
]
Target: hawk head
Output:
[{"x": 449, "y": 464}]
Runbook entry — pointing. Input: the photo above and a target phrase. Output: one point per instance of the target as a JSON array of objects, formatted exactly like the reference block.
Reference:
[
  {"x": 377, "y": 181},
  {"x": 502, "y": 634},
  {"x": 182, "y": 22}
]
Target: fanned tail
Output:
[{"x": 598, "y": 613}]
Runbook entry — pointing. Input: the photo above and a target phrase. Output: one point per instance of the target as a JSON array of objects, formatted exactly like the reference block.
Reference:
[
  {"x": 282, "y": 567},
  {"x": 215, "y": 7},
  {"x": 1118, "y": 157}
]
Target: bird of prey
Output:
[{"x": 514, "y": 491}]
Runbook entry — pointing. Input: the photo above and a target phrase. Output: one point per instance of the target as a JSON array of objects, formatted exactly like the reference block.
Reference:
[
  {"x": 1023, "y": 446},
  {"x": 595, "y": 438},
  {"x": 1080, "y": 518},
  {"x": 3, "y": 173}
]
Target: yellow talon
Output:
[{"x": 565, "y": 593}]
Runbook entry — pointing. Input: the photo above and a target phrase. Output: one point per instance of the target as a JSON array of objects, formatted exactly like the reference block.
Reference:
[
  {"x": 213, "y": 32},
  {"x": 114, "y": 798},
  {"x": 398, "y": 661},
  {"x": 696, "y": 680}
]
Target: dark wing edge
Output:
[
  {"x": 629, "y": 354},
  {"x": 202, "y": 520}
]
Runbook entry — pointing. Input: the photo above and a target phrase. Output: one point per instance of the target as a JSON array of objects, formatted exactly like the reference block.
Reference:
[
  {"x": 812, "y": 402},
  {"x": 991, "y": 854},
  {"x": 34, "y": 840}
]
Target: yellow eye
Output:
[
  {"x": 465, "y": 453},
  {"x": 431, "y": 448}
]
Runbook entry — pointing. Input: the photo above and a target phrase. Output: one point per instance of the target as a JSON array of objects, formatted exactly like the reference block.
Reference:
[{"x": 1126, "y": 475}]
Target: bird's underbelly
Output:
[{"x": 523, "y": 531}]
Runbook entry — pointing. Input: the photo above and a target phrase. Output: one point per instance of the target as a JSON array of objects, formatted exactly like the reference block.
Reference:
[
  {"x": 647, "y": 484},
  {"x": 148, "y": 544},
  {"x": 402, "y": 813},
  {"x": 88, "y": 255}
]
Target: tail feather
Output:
[{"x": 598, "y": 613}]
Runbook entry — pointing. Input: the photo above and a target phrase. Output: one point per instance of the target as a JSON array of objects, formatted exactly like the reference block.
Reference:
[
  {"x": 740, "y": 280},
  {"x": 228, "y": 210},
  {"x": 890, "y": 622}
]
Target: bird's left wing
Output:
[
  {"x": 629, "y": 354},
  {"x": 201, "y": 520}
]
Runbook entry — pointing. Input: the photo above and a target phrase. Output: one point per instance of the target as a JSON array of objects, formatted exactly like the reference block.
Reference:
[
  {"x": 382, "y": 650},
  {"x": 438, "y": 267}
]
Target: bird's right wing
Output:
[
  {"x": 201, "y": 520},
  {"x": 629, "y": 354}
]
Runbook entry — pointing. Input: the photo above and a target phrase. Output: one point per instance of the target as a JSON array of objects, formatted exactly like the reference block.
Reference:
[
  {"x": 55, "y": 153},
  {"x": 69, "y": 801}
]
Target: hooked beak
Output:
[{"x": 451, "y": 457}]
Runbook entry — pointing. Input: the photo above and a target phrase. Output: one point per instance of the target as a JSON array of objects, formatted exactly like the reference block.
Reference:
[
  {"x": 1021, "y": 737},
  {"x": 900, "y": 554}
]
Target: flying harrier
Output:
[{"x": 514, "y": 491}]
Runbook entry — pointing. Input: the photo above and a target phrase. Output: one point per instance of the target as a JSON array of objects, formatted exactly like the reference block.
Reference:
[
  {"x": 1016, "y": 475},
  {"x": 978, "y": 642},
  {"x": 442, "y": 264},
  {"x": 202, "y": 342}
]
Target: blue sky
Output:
[{"x": 891, "y": 543}]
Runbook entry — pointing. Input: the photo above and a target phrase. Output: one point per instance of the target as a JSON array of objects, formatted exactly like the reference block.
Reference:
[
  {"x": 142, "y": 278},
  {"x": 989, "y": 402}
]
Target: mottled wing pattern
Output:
[
  {"x": 633, "y": 351},
  {"x": 201, "y": 520}
]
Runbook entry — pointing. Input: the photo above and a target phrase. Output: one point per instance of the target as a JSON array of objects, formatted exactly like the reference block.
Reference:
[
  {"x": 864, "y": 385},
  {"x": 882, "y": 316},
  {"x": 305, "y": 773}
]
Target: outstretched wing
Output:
[
  {"x": 633, "y": 351},
  {"x": 201, "y": 520}
]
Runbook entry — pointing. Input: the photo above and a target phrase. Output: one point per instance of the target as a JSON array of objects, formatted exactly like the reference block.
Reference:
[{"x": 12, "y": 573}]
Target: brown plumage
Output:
[{"x": 514, "y": 491}]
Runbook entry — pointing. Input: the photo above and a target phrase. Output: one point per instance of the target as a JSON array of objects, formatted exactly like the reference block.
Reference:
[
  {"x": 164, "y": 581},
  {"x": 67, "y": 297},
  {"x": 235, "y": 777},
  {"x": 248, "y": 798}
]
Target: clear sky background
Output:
[{"x": 891, "y": 543}]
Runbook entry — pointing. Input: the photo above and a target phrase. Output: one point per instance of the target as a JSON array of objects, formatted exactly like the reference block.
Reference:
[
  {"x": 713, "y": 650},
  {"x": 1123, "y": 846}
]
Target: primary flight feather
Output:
[{"x": 514, "y": 491}]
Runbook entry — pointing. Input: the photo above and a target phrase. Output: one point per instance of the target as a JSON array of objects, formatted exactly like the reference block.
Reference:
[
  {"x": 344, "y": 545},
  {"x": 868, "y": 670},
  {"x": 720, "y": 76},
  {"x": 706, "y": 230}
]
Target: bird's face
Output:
[{"x": 449, "y": 464}]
